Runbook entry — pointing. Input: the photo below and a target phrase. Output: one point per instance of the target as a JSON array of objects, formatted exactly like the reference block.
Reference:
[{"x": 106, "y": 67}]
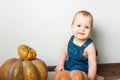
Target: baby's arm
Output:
[
  {"x": 92, "y": 63},
  {"x": 62, "y": 57}
]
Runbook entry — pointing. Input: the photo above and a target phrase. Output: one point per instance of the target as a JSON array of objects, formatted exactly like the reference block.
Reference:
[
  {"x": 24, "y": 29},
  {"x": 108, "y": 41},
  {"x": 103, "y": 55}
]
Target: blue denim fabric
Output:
[{"x": 75, "y": 59}]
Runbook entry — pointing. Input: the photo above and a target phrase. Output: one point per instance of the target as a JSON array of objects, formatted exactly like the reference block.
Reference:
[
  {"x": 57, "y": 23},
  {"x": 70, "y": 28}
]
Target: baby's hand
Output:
[{"x": 59, "y": 68}]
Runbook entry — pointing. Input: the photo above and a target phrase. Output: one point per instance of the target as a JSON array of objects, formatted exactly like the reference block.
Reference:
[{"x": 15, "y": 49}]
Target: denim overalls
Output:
[{"x": 75, "y": 59}]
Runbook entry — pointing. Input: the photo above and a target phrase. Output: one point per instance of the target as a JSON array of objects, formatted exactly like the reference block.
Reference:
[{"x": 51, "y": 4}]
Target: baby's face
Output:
[{"x": 82, "y": 27}]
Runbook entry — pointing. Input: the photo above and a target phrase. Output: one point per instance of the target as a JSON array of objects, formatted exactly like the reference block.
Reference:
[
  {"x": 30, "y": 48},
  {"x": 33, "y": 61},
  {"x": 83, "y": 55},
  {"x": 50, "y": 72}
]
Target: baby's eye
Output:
[
  {"x": 87, "y": 27},
  {"x": 78, "y": 25}
]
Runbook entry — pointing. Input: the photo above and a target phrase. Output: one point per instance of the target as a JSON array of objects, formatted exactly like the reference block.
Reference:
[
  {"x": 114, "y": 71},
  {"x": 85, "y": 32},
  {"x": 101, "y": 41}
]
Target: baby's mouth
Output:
[{"x": 81, "y": 33}]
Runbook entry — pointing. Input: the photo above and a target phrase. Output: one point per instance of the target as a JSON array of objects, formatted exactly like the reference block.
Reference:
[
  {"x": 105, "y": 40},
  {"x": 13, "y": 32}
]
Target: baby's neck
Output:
[{"x": 78, "y": 42}]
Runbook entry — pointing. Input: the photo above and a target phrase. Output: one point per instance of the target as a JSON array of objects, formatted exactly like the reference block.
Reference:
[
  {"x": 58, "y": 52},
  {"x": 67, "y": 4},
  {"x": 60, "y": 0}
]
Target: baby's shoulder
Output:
[{"x": 90, "y": 47}]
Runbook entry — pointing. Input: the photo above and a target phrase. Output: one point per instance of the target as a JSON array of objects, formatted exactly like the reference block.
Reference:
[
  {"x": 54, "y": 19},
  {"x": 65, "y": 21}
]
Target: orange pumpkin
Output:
[
  {"x": 72, "y": 75},
  {"x": 23, "y": 68},
  {"x": 26, "y": 52}
]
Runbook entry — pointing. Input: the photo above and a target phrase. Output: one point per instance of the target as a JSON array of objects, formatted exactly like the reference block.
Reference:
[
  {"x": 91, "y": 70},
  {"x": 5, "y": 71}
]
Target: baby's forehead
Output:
[
  {"x": 83, "y": 15},
  {"x": 80, "y": 17}
]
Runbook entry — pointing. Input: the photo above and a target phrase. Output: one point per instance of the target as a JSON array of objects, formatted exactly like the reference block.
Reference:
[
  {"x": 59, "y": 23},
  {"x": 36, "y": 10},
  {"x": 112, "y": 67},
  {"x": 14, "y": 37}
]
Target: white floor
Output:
[{"x": 50, "y": 75}]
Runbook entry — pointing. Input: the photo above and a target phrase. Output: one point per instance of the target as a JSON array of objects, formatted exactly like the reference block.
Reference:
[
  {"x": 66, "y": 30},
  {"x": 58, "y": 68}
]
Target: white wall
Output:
[{"x": 45, "y": 26}]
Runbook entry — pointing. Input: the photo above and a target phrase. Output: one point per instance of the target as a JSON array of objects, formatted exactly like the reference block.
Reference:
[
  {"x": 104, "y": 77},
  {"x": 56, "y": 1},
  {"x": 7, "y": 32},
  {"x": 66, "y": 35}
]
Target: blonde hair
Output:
[{"x": 84, "y": 13}]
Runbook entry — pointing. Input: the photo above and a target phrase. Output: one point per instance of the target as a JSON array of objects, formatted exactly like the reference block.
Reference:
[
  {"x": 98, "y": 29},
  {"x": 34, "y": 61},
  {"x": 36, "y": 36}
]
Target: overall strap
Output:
[
  {"x": 71, "y": 38},
  {"x": 86, "y": 43}
]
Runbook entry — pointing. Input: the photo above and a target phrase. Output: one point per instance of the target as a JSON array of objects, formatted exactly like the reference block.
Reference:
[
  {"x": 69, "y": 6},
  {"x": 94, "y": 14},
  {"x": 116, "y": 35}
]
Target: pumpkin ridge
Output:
[
  {"x": 4, "y": 71},
  {"x": 41, "y": 67},
  {"x": 30, "y": 72},
  {"x": 16, "y": 71}
]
